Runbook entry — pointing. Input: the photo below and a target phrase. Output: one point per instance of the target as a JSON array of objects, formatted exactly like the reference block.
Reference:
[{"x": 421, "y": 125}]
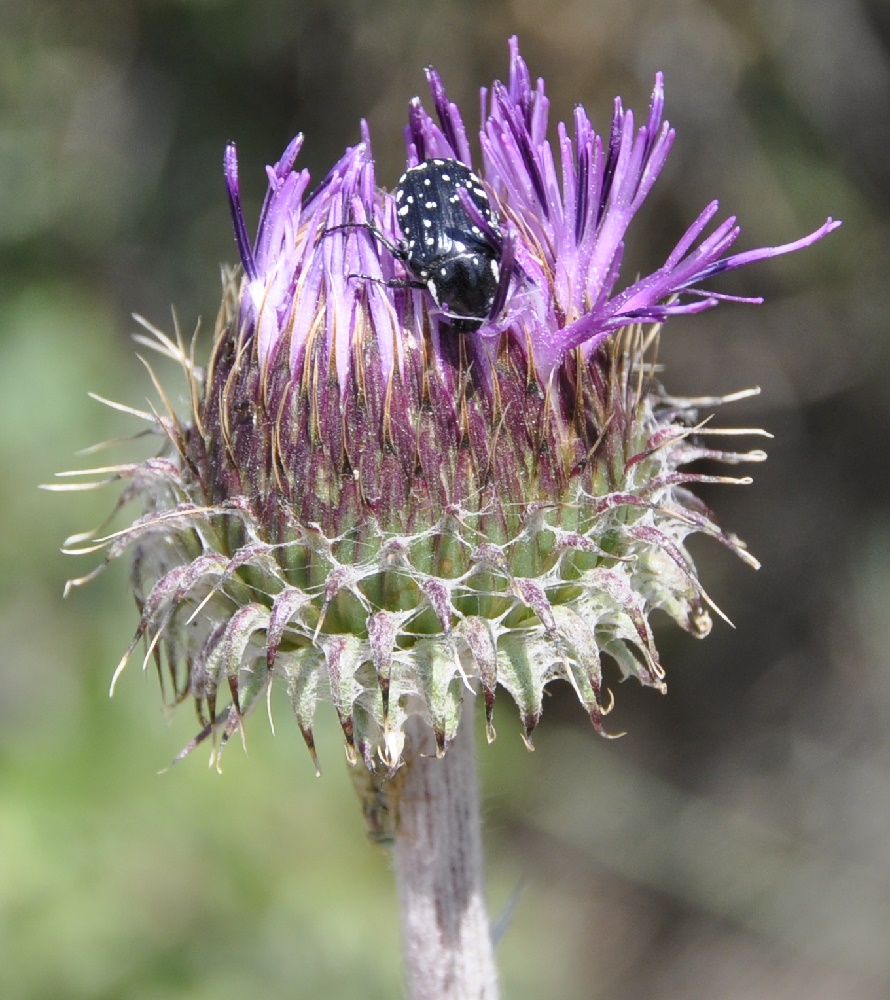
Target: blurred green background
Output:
[{"x": 734, "y": 843}]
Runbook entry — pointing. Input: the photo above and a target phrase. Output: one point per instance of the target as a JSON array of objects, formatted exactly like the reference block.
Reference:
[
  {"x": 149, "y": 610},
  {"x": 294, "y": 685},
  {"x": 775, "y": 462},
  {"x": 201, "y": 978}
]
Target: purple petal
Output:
[{"x": 230, "y": 166}]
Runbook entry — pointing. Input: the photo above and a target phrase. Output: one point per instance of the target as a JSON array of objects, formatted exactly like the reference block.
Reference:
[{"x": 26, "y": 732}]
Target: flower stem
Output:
[{"x": 438, "y": 858}]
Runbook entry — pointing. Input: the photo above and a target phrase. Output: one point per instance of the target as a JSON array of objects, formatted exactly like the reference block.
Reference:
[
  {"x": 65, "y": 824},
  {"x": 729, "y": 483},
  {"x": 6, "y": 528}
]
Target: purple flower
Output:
[
  {"x": 565, "y": 226},
  {"x": 382, "y": 506}
]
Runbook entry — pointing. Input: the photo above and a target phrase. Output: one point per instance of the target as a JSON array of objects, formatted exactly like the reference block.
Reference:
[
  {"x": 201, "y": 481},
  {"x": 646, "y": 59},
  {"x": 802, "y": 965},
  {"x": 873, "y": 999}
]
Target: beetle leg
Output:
[
  {"x": 390, "y": 282},
  {"x": 398, "y": 252}
]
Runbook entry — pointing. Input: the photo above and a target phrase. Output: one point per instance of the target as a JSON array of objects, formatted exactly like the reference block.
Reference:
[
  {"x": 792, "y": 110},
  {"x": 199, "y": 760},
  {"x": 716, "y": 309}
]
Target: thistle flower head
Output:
[{"x": 380, "y": 501}]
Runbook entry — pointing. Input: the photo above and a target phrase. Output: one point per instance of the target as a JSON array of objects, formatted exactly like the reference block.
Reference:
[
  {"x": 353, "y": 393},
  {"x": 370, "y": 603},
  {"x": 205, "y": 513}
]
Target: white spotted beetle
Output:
[{"x": 452, "y": 244}]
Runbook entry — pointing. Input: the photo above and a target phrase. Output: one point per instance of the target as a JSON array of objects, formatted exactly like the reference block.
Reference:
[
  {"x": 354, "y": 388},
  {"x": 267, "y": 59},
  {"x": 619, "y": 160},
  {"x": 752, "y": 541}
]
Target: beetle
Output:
[{"x": 451, "y": 241}]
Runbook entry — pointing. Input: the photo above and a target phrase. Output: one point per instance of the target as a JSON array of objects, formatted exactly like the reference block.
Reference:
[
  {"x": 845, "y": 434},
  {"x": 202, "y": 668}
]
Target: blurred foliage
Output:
[{"x": 733, "y": 844}]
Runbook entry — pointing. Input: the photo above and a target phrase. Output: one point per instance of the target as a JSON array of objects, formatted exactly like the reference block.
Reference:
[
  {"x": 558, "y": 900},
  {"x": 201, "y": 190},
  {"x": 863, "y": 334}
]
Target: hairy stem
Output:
[{"x": 438, "y": 857}]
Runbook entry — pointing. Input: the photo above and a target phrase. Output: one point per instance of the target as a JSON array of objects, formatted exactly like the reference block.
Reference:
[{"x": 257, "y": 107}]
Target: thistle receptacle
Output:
[{"x": 382, "y": 505}]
